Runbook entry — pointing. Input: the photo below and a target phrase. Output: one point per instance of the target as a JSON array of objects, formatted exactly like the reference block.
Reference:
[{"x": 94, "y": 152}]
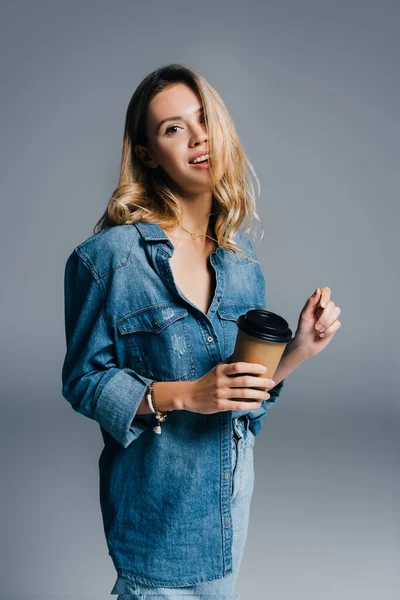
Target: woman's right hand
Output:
[{"x": 229, "y": 386}]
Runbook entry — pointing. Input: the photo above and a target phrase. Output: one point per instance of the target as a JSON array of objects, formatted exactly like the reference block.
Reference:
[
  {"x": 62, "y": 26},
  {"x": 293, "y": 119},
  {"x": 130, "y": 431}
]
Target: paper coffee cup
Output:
[{"x": 262, "y": 338}]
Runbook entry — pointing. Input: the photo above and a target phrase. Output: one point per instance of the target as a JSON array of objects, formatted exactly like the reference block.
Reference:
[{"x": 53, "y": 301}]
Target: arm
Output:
[
  {"x": 291, "y": 359},
  {"x": 169, "y": 395},
  {"x": 91, "y": 382}
]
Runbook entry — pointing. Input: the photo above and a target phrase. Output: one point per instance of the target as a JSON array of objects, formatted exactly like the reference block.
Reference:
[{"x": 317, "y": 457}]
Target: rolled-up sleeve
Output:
[
  {"x": 259, "y": 414},
  {"x": 91, "y": 382}
]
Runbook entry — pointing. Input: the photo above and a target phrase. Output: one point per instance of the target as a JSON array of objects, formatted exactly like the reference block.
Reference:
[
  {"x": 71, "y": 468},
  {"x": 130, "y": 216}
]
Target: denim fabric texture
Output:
[
  {"x": 241, "y": 494},
  {"x": 166, "y": 500}
]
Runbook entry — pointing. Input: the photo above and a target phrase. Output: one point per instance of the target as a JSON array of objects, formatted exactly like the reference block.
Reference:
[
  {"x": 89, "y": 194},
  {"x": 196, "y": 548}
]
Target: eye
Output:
[{"x": 167, "y": 131}]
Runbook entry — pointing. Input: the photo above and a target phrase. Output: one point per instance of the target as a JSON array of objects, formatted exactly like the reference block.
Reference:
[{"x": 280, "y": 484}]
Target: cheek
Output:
[{"x": 172, "y": 157}]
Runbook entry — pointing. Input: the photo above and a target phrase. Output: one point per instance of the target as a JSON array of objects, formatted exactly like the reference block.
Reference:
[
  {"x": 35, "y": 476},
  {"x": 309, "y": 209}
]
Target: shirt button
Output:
[
  {"x": 227, "y": 475},
  {"x": 210, "y": 339},
  {"x": 227, "y": 521}
]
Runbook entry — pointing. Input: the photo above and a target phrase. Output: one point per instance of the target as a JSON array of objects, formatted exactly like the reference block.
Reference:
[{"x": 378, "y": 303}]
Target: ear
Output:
[{"x": 145, "y": 156}]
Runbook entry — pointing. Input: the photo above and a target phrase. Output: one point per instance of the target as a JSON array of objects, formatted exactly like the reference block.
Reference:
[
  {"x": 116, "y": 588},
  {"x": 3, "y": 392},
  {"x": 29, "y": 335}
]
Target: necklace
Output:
[{"x": 194, "y": 235}]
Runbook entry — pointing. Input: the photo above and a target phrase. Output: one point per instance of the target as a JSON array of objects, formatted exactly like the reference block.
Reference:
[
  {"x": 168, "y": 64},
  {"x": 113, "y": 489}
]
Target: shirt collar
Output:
[{"x": 152, "y": 232}]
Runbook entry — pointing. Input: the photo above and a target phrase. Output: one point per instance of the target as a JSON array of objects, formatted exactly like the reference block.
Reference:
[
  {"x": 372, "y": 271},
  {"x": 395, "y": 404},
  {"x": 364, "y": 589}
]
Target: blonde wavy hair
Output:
[{"x": 145, "y": 194}]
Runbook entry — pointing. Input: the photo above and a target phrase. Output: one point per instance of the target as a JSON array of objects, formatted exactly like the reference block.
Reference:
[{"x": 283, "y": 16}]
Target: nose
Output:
[{"x": 199, "y": 136}]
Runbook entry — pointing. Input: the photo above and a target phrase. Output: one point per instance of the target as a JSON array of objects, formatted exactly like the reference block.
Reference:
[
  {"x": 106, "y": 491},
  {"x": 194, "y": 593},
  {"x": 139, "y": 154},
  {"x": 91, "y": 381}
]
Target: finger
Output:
[
  {"x": 325, "y": 297},
  {"x": 330, "y": 319},
  {"x": 332, "y": 329},
  {"x": 244, "y": 405},
  {"x": 312, "y": 304},
  {"x": 325, "y": 318},
  {"x": 314, "y": 299},
  {"x": 251, "y": 382},
  {"x": 246, "y": 394},
  {"x": 237, "y": 368}
]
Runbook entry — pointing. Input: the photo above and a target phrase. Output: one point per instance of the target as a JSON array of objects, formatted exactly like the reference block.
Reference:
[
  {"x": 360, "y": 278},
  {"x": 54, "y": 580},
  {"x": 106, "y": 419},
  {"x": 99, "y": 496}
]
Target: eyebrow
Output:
[{"x": 176, "y": 118}]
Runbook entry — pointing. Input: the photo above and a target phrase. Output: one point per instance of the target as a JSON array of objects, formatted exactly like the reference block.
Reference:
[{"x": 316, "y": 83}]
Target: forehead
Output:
[{"x": 176, "y": 99}]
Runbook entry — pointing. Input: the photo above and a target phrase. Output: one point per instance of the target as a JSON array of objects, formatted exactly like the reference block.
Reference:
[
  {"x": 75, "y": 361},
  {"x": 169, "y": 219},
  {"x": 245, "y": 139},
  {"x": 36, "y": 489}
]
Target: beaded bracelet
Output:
[{"x": 160, "y": 416}]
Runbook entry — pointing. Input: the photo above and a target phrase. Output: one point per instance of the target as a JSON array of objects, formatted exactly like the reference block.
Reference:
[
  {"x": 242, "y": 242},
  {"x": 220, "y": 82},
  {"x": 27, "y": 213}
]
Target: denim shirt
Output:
[{"x": 165, "y": 499}]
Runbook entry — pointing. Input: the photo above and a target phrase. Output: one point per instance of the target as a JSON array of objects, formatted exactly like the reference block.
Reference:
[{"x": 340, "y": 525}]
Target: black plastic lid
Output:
[{"x": 265, "y": 325}]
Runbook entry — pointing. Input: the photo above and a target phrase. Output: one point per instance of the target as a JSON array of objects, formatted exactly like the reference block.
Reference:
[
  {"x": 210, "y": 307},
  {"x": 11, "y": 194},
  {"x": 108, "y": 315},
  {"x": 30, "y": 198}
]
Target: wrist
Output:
[
  {"x": 171, "y": 395},
  {"x": 293, "y": 355},
  {"x": 183, "y": 394},
  {"x": 300, "y": 350}
]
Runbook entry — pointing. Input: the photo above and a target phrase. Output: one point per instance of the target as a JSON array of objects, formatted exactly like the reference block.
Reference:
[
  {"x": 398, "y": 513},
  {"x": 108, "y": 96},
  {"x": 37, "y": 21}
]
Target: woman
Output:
[{"x": 151, "y": 303}]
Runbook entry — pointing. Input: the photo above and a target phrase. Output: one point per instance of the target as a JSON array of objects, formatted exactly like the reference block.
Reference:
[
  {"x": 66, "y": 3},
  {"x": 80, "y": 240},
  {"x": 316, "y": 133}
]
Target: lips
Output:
[
  {"x": 201, "y": 165},
  {"x": 198, "y": 155}
]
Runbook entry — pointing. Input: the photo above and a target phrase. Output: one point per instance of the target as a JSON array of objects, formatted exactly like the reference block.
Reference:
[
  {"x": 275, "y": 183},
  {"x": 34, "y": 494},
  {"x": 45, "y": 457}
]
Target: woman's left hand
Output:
[{"x": 319, "y": 309}]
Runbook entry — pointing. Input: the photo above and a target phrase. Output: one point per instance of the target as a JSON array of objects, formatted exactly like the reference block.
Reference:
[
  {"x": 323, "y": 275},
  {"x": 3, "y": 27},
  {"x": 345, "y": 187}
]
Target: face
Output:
[{"x": 173, "y": 143}]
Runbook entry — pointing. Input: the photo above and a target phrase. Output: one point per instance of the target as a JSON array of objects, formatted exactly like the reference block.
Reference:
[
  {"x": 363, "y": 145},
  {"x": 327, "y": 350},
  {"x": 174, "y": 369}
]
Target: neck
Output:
[{"x": 196, "y": 220}]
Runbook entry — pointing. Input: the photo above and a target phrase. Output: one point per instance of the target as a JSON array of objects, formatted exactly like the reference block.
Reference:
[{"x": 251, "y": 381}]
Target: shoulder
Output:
[
  {"x": 107, "y": 250},
  {"x": 245, "y": 243}
]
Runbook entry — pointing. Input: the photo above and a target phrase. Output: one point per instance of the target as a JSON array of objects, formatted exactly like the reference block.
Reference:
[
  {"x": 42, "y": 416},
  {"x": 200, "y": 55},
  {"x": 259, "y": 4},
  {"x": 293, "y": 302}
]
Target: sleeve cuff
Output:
[
  {"x": 255, "y": 422},
  {"x": 117, "y": 399},
  {"x": 274, "y": 392}
]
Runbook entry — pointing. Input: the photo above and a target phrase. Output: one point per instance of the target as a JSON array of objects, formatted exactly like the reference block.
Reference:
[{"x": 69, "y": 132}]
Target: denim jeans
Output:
[{"x": 241, "y": 494}]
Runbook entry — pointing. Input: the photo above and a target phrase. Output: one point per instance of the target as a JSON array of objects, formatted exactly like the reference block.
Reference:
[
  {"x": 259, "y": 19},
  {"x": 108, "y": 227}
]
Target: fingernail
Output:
[
  {"x": 273, "y": 383},
  {"x": 262, "y": 369},
  {"x": 319, "y": 326},
  {"x": 323, "y": 303}
]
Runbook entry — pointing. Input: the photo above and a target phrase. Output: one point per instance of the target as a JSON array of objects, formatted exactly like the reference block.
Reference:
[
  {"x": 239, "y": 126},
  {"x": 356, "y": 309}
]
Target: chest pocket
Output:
[
  {"x": 228, "y": 315},
  {"x": 159, "y": 341}
]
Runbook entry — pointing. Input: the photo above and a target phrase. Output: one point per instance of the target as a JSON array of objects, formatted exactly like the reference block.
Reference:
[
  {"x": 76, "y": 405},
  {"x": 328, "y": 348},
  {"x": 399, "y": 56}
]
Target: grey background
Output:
[{"x": 313, "y": 88}]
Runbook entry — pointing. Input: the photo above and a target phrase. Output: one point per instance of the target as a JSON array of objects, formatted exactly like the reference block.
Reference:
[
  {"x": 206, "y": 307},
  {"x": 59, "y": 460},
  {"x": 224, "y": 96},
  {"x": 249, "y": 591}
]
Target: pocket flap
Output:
[
  {"x": 152, "y": 318},
  {"x": 233, "y": 311}
]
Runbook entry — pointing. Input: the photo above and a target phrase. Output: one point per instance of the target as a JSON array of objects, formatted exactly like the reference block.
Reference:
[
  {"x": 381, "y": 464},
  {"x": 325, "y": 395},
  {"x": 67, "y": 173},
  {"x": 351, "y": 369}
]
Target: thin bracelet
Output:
[{"x": 160, "y": 416}]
